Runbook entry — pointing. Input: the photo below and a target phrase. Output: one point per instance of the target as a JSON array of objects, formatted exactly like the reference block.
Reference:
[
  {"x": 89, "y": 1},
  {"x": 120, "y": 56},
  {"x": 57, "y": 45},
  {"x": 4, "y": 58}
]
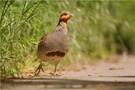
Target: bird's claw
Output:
[
  {"x": 38, "y": 70},
  {"x": 54, "y": 74}
]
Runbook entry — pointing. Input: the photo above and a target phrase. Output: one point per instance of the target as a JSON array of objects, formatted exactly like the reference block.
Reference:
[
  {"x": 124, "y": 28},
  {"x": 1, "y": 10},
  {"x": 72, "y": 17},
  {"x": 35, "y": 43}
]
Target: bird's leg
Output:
[
  {"x": 55, "y": 69},
  {"x": 39, "y": 68}
]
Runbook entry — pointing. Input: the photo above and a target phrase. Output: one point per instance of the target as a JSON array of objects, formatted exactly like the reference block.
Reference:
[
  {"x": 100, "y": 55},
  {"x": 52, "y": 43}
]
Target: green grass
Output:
[{"x": 98, "y": 29}]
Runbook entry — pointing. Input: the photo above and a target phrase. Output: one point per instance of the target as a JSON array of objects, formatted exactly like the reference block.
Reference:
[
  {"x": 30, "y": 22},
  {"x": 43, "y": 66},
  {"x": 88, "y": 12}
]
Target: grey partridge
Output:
[{"x": 54, "y": 45}]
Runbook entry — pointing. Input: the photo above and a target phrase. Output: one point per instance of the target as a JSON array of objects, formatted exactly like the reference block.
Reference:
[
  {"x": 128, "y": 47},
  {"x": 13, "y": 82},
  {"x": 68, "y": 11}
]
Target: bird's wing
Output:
[{"x": 44, "y": 37}]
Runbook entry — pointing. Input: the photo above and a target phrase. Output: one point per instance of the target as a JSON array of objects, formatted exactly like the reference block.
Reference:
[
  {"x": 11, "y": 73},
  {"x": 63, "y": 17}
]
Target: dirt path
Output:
[
  {"x": 100, "y": 76},
  {"x": 124, "y": 67},
  {"x": 115, "y": 66}
]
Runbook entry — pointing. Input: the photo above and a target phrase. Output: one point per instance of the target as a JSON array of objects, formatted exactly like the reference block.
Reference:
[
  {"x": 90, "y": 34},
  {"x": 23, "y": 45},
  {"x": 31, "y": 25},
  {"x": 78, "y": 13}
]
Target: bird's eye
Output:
[{"x": 65, "y": 14}]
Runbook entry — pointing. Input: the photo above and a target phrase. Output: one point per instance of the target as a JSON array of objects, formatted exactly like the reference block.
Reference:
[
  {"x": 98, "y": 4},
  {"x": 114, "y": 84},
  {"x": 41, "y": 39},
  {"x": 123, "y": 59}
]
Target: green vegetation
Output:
[{"x": 98, "y": 29}]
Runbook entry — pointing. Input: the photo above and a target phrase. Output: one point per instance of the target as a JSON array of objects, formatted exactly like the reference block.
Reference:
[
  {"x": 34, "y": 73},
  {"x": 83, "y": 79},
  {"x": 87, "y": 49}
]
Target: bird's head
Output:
[{"x": 64, "y": 17}]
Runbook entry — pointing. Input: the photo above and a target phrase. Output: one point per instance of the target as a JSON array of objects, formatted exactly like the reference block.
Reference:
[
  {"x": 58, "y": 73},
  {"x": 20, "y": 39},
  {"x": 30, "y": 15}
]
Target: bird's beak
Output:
[{"x": 71, "y": 15}]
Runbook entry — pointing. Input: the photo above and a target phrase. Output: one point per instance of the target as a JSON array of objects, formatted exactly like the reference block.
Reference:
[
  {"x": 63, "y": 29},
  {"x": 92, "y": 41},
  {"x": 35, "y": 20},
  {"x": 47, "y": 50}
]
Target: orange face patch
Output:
[{"x": 65, "y": 16}]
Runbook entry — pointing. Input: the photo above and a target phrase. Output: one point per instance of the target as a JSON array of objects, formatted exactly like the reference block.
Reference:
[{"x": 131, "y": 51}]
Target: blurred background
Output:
[{"x": 99, "y": 29}]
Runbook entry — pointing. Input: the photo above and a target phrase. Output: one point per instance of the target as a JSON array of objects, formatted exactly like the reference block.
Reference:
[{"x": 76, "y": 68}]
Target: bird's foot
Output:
[
  {"x": 54, "y": 74},
  {"x": 38, "y": 70}
]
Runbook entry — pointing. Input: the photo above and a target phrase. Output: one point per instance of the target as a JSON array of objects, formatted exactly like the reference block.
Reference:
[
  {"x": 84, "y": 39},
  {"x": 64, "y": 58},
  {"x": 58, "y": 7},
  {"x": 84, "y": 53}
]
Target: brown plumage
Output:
[{"x": 55, "y": 45}]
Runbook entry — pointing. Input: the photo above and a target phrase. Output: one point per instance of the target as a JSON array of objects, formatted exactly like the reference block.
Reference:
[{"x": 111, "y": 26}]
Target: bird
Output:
[{"x": 54, "y": 45}]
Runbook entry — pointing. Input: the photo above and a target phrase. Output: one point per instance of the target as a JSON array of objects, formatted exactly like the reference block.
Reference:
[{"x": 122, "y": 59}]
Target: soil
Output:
[
  {"x": 115, "y": 66},
  {"x": 114, "y": 73}
]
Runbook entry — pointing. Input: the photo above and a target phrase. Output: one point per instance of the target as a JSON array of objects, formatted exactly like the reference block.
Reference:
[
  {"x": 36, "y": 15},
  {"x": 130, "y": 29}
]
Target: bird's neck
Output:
[
  {"x": 62, "y": 23},
  {"x": 63, "y": 26}
]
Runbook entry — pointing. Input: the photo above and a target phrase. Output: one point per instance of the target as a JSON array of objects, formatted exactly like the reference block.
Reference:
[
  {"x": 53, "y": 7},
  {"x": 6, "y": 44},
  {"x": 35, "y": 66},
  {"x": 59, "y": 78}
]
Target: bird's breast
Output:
[{"x": 55, "y": 45}]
